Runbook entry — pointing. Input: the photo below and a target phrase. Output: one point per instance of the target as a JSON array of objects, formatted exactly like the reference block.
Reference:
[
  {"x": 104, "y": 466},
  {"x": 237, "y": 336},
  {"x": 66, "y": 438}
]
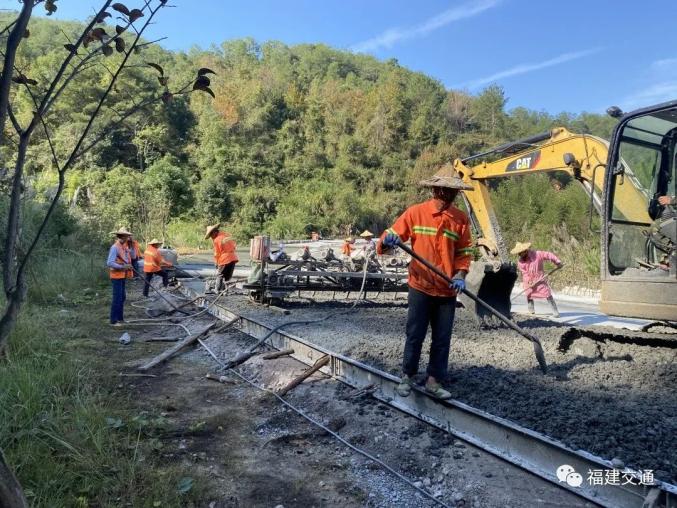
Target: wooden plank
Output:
[
  {"x": 278, "y": 354},
  {"x": 168, "y": 353},
  {"x": 295, "y": 382}
]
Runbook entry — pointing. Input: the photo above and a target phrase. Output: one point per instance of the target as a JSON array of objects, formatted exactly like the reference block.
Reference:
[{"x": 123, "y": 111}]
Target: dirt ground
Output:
[
  {"x": 610, "y": 398},
  {"x": 250, "y": 450}
]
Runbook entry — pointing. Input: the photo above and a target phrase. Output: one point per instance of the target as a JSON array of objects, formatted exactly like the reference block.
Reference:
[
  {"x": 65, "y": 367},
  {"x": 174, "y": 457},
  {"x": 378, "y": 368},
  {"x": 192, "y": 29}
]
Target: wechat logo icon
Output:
[{"x": 568, "y": 475}]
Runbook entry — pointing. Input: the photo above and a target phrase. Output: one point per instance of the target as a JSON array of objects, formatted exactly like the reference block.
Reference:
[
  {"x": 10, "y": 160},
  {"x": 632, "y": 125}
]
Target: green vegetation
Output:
[{"x": 297, "y": 139}]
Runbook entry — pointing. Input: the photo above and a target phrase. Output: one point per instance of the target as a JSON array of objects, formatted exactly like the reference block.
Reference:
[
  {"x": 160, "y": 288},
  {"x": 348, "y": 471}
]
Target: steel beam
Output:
[{"x": 530, "y": 450}]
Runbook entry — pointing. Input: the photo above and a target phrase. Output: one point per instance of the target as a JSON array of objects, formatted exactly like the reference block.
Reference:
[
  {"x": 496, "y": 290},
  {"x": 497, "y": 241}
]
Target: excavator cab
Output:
[
  {"x": 639, "y": 258},
  {"x": 639, "y": 261}
]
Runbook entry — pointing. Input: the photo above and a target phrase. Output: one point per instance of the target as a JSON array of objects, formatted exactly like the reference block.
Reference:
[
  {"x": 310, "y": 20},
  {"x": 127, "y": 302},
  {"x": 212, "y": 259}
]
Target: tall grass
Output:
[
  {"x": 186, "y": 236},
  {"x": 69, "y": 438}
]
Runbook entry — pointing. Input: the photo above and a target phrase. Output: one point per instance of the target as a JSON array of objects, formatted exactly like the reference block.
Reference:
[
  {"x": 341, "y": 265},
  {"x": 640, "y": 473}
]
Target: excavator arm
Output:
[{"x": 582, "y": 156}]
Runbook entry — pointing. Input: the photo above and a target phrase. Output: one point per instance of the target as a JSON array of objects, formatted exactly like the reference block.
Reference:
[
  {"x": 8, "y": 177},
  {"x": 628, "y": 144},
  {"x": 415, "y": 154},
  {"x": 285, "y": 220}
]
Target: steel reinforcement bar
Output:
[{"x": 534, "y": 452}]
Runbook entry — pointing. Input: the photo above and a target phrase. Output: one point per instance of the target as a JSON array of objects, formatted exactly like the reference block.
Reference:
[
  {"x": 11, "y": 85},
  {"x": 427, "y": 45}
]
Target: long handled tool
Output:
[
  {"x": 533, "y": 284},
  {"x": 538, "y": 349}
]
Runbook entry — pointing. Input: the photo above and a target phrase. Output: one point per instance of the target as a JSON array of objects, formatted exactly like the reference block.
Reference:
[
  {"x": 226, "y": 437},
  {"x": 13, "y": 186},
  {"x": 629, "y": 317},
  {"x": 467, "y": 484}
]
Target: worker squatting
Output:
[
  {"x": 123, "y": 264},
  {"x": 438, "y": 232}
]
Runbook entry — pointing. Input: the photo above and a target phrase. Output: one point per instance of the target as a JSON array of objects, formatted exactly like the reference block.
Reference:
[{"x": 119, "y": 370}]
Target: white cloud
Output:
[
  {"x": 659, "y": 84},
  {"x": 394, "y": 35},
  {"x": 527, "y": 67}
]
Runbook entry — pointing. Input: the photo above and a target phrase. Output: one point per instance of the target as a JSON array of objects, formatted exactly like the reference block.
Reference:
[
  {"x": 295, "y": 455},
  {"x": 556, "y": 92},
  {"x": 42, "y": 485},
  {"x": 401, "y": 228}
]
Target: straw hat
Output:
[
  {"x": 210, "y": 230},
  {"x": 446, "y": 177},
  {"x": 122, "y": 232},
  {"x": 366, "y": 233},
  {"x": 520, "y": 247},
  {"x": 155, "y": 241},
  {"x": 350, "y": 239}
]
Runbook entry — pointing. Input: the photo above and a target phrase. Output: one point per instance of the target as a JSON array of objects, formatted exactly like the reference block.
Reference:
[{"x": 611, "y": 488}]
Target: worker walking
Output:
[
  {"x": 534, "y": 280},
  {"x": 224, "y": 255},
  {"x": 120, "y": 269},
  {"x": 135, "y": 252},
  {"x": 154, "y": 264},
  {"x": 439, "y": 232}
]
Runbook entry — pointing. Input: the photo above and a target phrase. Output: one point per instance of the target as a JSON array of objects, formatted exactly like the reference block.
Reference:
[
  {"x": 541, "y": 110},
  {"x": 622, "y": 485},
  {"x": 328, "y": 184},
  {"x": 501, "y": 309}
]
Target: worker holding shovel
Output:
[
  {"x": 120, "y": 269},
  {"x": 225, "y": 257},
  {"x": 534, "y": 278},
  {"x": 154, "y": 264},
  {"x": 438, "y": 232}
]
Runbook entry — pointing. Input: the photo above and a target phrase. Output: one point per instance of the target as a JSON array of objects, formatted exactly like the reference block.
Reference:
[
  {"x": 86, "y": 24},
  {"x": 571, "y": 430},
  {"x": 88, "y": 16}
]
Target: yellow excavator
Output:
[{"x": 624, "y": 178}]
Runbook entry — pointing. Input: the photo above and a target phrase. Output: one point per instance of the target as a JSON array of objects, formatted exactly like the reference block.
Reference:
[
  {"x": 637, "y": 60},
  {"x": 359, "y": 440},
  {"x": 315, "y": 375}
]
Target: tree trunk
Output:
[
  {"x": 15, "y": 300},
  {"x": 11, "y": 495},
  {"x": 14, "y": 218}
]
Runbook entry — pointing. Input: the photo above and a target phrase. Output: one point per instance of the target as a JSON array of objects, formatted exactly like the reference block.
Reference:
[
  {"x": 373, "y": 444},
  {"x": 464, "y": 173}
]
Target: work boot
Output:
[
  {"x": 555, "y": 312},
  {"x": 435, "y": 389},
  {"x": 404, "y": 388},
  {"x": 530, "y": 304}
]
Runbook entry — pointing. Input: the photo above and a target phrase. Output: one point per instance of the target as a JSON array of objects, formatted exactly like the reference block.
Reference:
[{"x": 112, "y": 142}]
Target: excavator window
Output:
[{"x": 641, "y": 238}]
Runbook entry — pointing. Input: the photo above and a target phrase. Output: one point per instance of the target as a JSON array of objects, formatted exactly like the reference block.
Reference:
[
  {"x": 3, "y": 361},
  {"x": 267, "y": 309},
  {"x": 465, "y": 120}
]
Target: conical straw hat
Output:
[
  {"x": 446, "y": 177},
  {"x": 122, "y": 232},
  {"x": 366, "y": 233},
  {"x": 520, "y": 247},
  {"x": 210, "y": 229}
]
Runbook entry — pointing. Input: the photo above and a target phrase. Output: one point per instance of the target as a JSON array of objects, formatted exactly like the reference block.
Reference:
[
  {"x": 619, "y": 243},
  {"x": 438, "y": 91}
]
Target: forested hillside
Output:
[{"x": 297, "y": 138}]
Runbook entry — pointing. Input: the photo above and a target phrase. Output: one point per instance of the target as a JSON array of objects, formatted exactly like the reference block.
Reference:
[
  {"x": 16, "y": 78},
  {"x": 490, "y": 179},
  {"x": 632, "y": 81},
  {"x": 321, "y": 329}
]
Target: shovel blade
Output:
[{"x": 494, "y": 287}]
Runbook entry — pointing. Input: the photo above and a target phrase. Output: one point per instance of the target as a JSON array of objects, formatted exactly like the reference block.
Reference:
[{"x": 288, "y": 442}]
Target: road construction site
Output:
[{"x": 606, "y": 401}]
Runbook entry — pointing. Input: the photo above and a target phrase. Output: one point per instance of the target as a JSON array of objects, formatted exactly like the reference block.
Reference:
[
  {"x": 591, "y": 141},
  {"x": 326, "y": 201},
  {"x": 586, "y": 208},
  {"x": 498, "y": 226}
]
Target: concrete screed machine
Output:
[{"x": 624, "y": 179}]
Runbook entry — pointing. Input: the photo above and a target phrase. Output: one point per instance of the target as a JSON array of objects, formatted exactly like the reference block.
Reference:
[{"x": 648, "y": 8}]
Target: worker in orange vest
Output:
[
  {"x": 348, "y": 246},
  {"x": 120, "y": 269},
  {"x": 440, "y": 233},
  {"x": 154, "y": 264},
  {"x": 135, "y": 252},
  {"x": 224, "y": 254}
]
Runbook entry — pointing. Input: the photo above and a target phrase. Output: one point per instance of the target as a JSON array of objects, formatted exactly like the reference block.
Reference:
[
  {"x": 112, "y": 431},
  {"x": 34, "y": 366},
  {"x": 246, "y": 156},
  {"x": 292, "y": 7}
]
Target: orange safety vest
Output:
[
  {"x": 224, "y": 249},
  {"x": 153, "y": 261},
  {"x": 443, "y": 238},
  {"x": 135, "y": 250},
  {"x": 347, "y": 248},
  {"x": 123, "y": 257}
]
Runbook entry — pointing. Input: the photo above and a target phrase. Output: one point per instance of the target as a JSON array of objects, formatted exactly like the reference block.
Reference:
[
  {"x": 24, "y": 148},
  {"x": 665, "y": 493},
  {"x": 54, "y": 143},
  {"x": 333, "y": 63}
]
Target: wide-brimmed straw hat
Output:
[
  {"x": 350, "y": 239},
  {"x": 366, "y": 233},
  {"x": 210, "y": 230},
  {"x": 155, "y": 241},
  {"x": 446, "y": 177},
  {"x": 520, "y": 247},
  {"x": 122, "y": 232}
]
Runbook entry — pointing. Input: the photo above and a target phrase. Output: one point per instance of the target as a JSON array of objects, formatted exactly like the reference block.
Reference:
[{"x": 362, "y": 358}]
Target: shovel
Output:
[
  {"x": 533, "y": 284},
  {"x": 538, "y": 349}
]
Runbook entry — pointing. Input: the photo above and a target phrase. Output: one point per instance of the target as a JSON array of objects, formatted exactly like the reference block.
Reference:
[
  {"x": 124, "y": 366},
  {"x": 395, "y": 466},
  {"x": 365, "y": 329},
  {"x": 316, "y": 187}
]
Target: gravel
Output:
[{"x": 616, "y": 400}]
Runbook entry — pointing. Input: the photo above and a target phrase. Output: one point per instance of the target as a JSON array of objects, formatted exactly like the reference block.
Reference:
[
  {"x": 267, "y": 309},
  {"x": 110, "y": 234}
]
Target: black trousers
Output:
[
  {"x": 438, "y": 312},
  {"x": 149, "y": 277},
  {"x": 223, "y": 274}
]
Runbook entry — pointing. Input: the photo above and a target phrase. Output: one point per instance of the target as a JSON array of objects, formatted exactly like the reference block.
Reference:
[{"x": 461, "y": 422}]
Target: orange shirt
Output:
[
  {"x": 443, "y": 238},
  {"x": 224, "y": 249},
  {"x": 347, "y": 248},
  {"x": 153, "y": 261}
]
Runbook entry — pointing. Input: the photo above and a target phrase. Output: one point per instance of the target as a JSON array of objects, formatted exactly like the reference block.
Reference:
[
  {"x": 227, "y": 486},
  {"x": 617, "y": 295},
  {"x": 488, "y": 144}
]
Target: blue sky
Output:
[{"x": 578, "y": 55}]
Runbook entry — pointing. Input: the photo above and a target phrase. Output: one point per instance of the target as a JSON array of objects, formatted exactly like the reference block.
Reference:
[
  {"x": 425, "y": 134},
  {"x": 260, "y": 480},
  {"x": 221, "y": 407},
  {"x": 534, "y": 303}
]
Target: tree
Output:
[{"x": 92, "y": 47}]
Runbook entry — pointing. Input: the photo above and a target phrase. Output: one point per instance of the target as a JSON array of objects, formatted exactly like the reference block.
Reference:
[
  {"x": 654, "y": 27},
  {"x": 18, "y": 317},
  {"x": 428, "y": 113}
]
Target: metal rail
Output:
[{"x": 534, "y": 452}]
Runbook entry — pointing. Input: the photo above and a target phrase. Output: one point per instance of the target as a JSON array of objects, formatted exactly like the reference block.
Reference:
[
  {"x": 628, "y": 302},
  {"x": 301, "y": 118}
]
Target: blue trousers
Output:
[
  {"x": 438, "y": 313},
  {"x": 117, "y": 306}
]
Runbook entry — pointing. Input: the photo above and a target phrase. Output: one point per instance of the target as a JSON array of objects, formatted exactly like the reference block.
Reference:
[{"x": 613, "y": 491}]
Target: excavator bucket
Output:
[{"x": 493, "y": 284}]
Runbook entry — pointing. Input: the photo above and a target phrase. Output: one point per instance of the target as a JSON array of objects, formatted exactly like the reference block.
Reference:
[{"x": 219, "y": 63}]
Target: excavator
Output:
[{"x": 624, "y": 179}]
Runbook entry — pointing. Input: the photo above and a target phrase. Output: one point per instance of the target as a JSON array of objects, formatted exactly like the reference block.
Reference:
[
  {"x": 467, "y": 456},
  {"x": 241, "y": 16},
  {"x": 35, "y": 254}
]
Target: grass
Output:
[
  {"x": 71, "y": 437},
  {"x": 187, "y": 237}
]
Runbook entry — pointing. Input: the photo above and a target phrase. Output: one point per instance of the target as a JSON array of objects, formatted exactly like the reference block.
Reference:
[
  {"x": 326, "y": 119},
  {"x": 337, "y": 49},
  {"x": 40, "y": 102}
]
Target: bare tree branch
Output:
[{"x": 13, "y": 42}]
